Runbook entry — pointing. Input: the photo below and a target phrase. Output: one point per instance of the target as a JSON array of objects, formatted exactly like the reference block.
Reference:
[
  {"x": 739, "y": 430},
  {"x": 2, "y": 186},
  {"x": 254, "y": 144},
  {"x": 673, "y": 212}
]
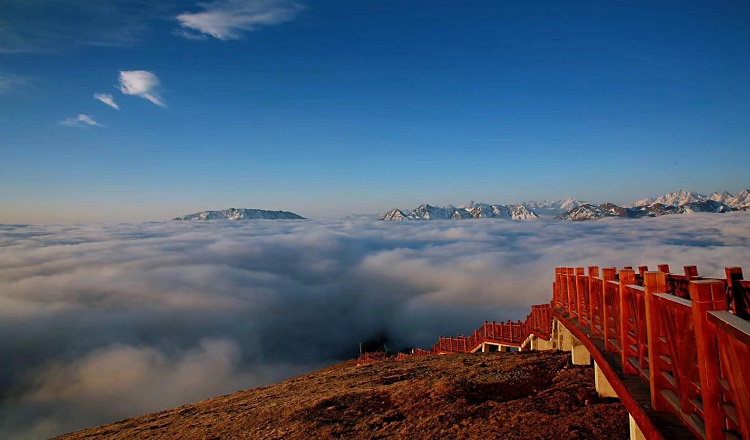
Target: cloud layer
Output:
[
  {"x": 229, "y": 19},
  {"x": 141, "y": 83},
  {"x": 102, "y": 322}
]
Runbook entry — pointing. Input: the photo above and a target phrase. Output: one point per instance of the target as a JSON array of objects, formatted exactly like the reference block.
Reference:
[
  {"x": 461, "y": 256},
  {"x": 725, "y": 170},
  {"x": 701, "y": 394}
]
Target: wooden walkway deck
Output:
[{"x": 667, "y": 424}]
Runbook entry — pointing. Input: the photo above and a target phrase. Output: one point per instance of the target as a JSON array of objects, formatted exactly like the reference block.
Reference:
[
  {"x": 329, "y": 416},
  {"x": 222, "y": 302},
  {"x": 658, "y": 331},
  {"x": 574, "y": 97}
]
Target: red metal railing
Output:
[
  {"x": 733, "y": 337},
  {"x": 509, "y": 334},
  {"x": 596, "y": 298},
  {"x": 610, "y": 313},
  {"x": 633, "y": 325},
  {"x": 687, "y": 336}
]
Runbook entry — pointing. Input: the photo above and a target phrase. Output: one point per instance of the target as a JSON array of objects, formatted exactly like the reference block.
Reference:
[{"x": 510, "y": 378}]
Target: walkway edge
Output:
[{"x": 627, "y": 399}]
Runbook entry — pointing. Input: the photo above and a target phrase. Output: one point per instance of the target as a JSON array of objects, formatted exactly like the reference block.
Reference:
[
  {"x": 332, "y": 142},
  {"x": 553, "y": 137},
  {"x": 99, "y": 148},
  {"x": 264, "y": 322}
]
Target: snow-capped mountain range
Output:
[
  {"x": 679, "y": 202},
  {"x": 472, "y": 210},
  {"x": 681, "y": 197},
  {"x": 592, "y": 212},
  {"x": 241, "y": 214}
]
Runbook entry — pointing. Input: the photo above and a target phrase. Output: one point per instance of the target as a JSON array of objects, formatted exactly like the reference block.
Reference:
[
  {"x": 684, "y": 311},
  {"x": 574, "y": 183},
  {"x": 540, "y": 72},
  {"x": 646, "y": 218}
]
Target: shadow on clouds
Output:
[{"x": 103, "y": 322}]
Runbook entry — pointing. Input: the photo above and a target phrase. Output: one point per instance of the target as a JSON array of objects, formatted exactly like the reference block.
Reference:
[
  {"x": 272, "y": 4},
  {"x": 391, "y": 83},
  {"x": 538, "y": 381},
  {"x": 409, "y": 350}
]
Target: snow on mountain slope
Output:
[
  {"x": 740, "y": 201},
  {"x": 678, "y": 198},
  {"x": 549, "y": 208},
  {"x": 587, "y": 211},
  {"x": 594, "y": 212},
  {"x": 428, "y": 212},
  {"x": 705, "y": 206},
  {"x": 241, "y": 214},
  {"x": 394, "y": 215}
]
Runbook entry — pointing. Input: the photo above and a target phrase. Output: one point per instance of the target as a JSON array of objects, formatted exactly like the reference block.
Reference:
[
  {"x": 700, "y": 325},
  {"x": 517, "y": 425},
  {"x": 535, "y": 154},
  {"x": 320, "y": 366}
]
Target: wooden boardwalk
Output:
[{"x": 667, "y": 424}]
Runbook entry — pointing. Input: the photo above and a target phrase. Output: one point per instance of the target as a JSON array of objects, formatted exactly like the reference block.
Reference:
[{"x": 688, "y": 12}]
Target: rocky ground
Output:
[{"x": 537, "y": 395}]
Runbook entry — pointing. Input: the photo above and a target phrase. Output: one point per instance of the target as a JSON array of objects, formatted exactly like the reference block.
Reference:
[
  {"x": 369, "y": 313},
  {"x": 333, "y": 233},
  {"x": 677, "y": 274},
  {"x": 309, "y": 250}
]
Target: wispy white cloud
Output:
[
  {"x": 80, "y": 121},
  {"x": 10, "y": 82},
  {"x": 141, "y": 83},
  {"x": 107, "y": 99},
  {"x": 229, "y": 19}
]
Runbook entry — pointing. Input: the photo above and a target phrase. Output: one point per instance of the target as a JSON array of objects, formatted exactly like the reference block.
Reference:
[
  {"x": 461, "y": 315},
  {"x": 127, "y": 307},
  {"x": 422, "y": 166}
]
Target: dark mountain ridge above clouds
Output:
[
  {"x": 241, "y": 214},
  {"x": 588, "y": 211}
]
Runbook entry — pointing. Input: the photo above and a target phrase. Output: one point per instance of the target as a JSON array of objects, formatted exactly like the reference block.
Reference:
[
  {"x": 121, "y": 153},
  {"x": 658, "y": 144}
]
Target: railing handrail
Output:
[{"x": 732, "y": 324}]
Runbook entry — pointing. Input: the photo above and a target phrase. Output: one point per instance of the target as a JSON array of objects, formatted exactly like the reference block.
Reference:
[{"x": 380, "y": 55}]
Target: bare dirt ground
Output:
[{"x": 536, "y": 395}]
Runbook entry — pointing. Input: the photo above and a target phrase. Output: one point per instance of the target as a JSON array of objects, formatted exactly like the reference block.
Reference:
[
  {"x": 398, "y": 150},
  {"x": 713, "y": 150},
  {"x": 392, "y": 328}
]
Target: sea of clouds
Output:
[{"x": 103, "y": 322}]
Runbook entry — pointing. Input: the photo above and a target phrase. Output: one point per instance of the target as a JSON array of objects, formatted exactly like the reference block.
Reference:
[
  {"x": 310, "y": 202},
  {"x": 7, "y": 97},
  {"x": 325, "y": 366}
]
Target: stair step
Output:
[
  {"x": 698, "y": 404},
  {"x": 724, "y": 384},
  {"x": 695, "y": 422},
  {"x": 669, "y": 378},
  {"x": 697, "y": 385},
  {"x": 731, "y": 412}
]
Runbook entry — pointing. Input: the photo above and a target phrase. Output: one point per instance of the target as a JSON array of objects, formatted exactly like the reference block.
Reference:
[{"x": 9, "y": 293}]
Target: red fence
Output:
[
  {"x": 509, "y": 334},
  {"x": 686, "y": 335}
]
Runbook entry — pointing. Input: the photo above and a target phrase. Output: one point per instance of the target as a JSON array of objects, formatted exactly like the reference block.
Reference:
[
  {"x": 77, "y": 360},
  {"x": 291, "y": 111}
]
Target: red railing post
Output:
[
  {"x": 572, "y": 294},
  {"x": 708, "y": 295},
  {"x": 560, "y": 288},
  {"x": 737, "y": 297},
  {"x": 627, "y": 277},
  {"x": 654, "y": 282},
  {"x": 580, "y": 295},
  {"x": 596, "y": 297},
  {"x": 608, "y": 274},
  {"x": 554, "y": 287},
  {"x": 691, "y": 272},
  {"x": 564, "y": 297}
]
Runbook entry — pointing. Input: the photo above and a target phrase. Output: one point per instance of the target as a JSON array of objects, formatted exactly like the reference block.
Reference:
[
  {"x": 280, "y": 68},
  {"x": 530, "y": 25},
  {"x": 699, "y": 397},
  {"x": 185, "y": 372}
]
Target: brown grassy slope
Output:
[{"x": 513, "y": 396}]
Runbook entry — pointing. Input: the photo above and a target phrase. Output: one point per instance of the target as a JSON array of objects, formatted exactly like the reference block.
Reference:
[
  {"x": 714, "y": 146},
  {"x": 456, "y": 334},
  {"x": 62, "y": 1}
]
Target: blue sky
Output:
[{"x": 328, "y": 108}]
